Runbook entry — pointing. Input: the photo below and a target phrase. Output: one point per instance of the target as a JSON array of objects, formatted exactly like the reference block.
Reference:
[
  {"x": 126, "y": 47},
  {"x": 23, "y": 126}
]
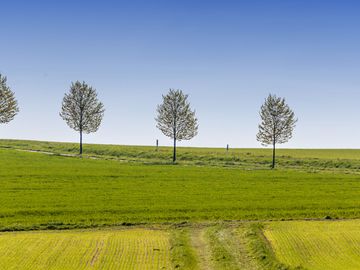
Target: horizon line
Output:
[{"x": 169, "y": 146}]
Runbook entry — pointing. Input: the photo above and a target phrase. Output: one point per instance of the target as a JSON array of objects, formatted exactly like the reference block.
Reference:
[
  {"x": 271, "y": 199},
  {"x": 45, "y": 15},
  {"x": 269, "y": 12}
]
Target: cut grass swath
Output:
[
  {"x": 106, "y": 249},
  {"x": 331, "y": 245}
]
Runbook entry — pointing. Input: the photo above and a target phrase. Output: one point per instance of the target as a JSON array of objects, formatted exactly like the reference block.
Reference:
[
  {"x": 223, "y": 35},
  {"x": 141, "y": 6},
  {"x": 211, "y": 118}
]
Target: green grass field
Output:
[
  {"x": 45, "y": 191},
  {"x": 205, "y": 201}
]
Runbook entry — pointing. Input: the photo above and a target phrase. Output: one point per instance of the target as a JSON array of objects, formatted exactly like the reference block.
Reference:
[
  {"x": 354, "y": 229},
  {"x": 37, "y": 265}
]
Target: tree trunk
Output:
[
  {"x": 273, "y": 160},
  {"x": 81, "y": 150},
  {"x": 174, "y": 154}
]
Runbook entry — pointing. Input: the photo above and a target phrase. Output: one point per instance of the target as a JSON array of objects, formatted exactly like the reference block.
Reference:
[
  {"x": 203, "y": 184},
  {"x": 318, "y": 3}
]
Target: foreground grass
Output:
[
  {"x": 39, "y": 191},
  {"x": 316, "y": 245},
  {"x": 212, "y": 246},
  {"x": 106, "y": 249}
]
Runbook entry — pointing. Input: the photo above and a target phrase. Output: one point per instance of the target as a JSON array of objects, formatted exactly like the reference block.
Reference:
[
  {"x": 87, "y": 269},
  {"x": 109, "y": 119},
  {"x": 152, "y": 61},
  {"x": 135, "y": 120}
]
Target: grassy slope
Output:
[
  {"x": 42, "y": 191},
  {"x": 303, "y": 159},
  {"x": 317, "y": 245}
]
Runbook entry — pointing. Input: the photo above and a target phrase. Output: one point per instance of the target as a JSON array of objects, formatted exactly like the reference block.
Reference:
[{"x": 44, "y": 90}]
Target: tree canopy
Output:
[
  {"x": 8, "y": 104},
  {"x": 277, "y": 123},
  {"x": 81, "y": 109},
  {"x": 175, "y": 118}
]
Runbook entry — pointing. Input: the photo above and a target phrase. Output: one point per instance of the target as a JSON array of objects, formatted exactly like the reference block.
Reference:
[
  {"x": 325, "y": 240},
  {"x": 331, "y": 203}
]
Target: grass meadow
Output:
[
  {"x": 212, "y": 210},
  {"x": 47, "y": 191}
]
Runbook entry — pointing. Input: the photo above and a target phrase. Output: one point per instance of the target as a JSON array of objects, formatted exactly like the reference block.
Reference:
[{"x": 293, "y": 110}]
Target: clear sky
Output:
[{"x": 227, "y": 55}]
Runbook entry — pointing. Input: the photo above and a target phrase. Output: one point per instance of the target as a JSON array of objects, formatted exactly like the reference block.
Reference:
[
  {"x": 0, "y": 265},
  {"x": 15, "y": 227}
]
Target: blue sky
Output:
[{"x": 227, "y": 55}]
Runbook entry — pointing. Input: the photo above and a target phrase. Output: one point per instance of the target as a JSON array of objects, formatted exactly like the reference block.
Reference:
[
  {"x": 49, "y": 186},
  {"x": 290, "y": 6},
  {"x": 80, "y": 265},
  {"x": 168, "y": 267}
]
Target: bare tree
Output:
[
  {"x": 277, "y": 123},
  {"x": 8, "y": 104},
  {"x": 82, "y": 110},
  {"x": 175, "y": 118}
]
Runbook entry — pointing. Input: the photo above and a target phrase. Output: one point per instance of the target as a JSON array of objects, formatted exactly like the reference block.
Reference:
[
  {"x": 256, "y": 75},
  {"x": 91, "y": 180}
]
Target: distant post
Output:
[
  {"x": 227, "y": 148},
  {"x": 157, "y": 144}
]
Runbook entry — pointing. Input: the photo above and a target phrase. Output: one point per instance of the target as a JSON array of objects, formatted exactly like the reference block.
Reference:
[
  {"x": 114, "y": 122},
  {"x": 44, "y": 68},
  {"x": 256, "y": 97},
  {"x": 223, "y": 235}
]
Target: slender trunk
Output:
[
  {"x": 174, "y": 153},
  {"x": 81, "y": 126},
  {"x": 81, "y": 150},
  {"x": 273, "y": 160}
]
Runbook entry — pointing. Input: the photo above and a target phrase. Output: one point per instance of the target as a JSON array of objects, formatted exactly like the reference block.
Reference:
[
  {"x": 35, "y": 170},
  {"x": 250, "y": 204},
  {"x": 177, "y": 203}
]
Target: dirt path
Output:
[
  {"x": 228, "y": 248},
  {"x": 201, "y": 248},
  {"x": 244, "y": 259}
]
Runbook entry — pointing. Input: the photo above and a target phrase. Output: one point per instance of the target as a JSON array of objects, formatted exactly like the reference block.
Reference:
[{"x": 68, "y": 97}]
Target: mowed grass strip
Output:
[
  {"x": 316, "y": 245},
  {"x": 39, "y": 191},
  {"x": 106, "y": 249}
]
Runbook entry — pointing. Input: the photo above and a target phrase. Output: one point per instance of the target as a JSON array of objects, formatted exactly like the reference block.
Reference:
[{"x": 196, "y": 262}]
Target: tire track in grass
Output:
[
  {"x": 245, "y": 258},
  {"x": 201, "y": 248},
  {"x": 228, "y": 248},
  {"x": 183, "y": 255}
]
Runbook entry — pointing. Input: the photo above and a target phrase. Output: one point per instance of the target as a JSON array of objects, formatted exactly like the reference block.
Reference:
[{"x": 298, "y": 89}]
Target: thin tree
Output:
[
  {"x": 277, "y": 123},
  {"x": 176, "y": 119},
  {"x": 82, "y": 110},
  {"x": 8, "y": 104}
]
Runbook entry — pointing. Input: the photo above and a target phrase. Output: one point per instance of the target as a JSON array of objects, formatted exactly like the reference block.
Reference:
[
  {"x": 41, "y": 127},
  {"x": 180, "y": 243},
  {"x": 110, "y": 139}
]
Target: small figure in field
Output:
[
  {"x": 82, "y": 110},
  {"x": 8, "y": 104},
  {"x": 277, "y": 123},
  {"x": 175, "y": 118}
]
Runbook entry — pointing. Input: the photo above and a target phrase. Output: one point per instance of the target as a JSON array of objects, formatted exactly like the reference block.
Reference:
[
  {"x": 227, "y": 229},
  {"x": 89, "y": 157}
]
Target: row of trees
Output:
[
  {"x": 176, "y": 120},
  {"x": 83, "y": 112}
]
